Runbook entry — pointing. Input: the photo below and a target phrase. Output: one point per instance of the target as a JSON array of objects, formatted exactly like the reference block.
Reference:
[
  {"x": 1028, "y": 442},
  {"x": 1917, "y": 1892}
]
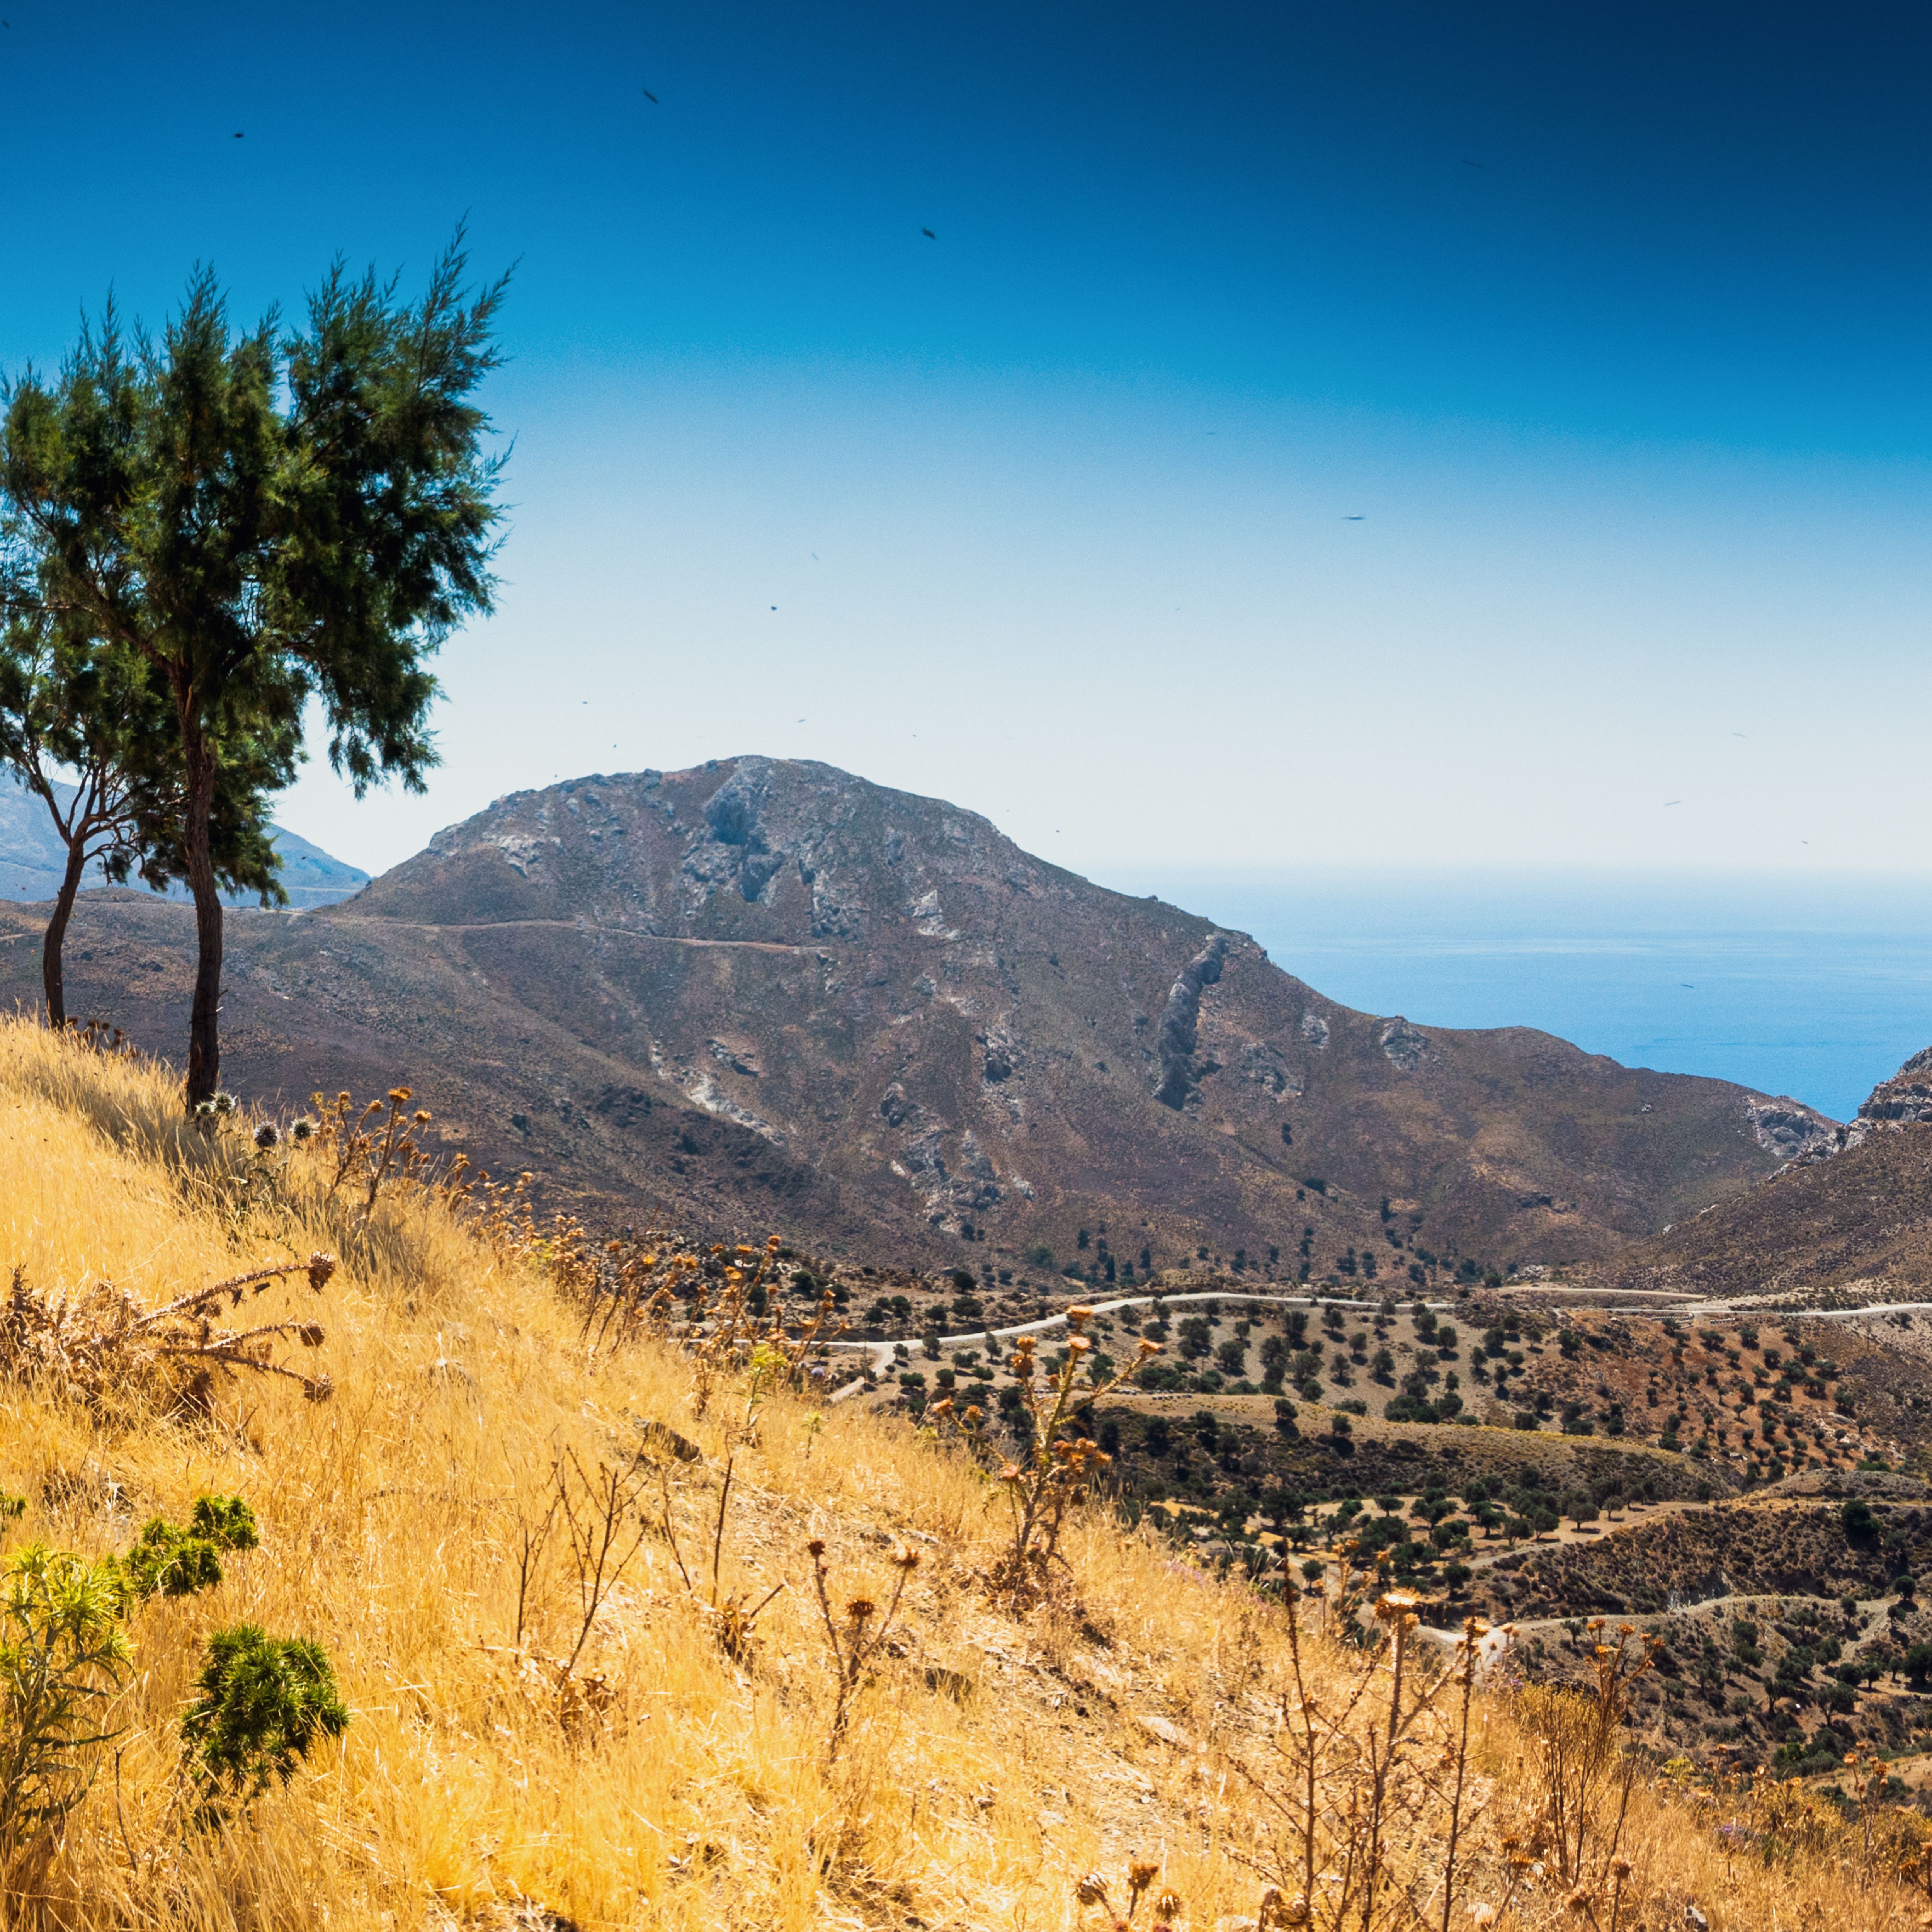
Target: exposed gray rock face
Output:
[
  {"x": 1789, "y": 1130},
  {"x": 1907, "y": 1096},
  {"x": 1180, "y": 1023},
  {"x": 1404, "y": 1045},
  {"x": 1904, "y": 1100},
  {"x": 1315, "y": 1030}
]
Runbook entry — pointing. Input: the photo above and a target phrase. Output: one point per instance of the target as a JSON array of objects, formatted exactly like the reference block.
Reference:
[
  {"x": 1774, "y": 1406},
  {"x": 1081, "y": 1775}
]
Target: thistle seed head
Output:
[
  {"x": 1091, "y": 1889},
  {"x": 266, "y": 1135}
]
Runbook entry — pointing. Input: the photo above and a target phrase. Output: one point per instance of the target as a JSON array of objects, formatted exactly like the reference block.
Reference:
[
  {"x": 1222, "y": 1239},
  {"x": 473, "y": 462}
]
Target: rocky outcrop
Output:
[
  {"x": 1179, "y": 1024},
  {"x": 1404, "y": 1044},
  {"x": 1907, "y": 1096},
  {"x": 1903, "y": 1101},
  {"x": 1789, "y": 1129}
]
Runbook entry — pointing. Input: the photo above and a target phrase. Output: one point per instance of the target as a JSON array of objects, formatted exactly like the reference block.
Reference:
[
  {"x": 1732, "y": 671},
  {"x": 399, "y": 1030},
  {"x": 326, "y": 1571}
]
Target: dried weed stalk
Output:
[
  {"x": 367, "y": 1149},
  {"x": 855, "y": 1640},
  {"x": 717, "y": 1309},
  {"x": 1359, "y": 1780},
  {"x": 1056, "y": 1473},
  {"x": 602, "y": 1529},
  {"x": 733, "y": 1618},
  {"x": 1090, "y": 1889},
  {"x": 1585, "y": 1775},
  {"x": 102, "y": 1341}
]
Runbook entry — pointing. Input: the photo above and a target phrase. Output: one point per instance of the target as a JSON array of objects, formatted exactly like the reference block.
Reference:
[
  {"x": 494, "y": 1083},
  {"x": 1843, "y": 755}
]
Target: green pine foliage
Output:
[
  {"x": 261, "y": 1703},
  {"x": 235, "y": 523},
  {"x": 170, "y": 1561}
]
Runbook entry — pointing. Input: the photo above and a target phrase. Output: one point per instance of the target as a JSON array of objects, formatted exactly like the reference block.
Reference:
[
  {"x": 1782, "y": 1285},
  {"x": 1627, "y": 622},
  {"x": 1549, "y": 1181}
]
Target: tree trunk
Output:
[
  {"x": 204, "y": 1041},
  {"x": 51, "y": 983}
]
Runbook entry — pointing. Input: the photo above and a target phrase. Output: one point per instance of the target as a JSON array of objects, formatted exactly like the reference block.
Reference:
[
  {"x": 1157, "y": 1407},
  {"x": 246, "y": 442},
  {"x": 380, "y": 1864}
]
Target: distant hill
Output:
[
  {"x": 767, "y": 993},
  {"x": 33, "y": 860},
  {"x": 1854, "y": 1212}
]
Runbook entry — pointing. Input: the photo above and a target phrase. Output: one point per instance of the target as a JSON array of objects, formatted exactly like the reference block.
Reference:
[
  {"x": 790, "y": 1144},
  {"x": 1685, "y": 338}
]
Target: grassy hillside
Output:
[{"x": 675, "y": 1775}]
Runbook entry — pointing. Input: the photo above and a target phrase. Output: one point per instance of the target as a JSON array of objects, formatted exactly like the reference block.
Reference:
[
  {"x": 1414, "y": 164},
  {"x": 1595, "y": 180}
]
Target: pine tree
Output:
[
  {"x": 264, "y": 519},
  {"x": 74, "y": 703}
]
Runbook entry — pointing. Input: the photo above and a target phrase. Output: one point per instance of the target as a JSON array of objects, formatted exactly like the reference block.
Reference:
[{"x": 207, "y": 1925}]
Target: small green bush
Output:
[
  {"x": 263, "y": 1703},
  {"x": 170, "y": 1561},
  {"x": 62, "y": 1650}
]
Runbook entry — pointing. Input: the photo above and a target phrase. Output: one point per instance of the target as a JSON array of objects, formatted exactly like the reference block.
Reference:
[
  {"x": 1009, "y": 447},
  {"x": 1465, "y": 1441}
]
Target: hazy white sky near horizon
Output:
[{"x": 1141, "y": 629}]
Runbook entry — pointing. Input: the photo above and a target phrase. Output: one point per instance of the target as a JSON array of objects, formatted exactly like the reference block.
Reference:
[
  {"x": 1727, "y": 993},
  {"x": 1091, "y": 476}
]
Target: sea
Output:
[{"x": 1815, "y": 988}]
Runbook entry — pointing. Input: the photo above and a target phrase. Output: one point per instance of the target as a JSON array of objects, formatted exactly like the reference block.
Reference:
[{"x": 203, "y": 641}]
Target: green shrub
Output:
[
  {"x": 263, "y": 1703},
  {"x": 171, "y": 1561},
  {"x": 62, "y": 1650}
]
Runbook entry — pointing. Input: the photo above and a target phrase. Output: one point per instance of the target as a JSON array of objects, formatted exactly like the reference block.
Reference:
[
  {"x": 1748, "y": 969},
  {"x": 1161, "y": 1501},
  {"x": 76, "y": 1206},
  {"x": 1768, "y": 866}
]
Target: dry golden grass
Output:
[{"x": 990, "y": 1762}]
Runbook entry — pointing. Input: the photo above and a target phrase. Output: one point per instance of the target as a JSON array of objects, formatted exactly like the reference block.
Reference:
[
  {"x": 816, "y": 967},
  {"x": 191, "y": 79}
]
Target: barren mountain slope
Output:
[
  {"x": 762, "y": 988},
  {"x": 1859, "y": 1217}
]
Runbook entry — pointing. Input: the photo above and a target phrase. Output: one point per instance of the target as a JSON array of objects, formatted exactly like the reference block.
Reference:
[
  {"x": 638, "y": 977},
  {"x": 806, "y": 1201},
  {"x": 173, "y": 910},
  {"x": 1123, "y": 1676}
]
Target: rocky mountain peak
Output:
[
  {"x": 780, "y": 850},
  {"x": 776, "y": 995}
]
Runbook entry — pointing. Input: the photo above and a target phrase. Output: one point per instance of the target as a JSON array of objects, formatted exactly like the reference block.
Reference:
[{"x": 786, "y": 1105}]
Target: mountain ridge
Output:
[
  {"x": 1849, "y": 1215},
  {"x": 763, "y": 986},
  {"x": 33, "y": 861}
]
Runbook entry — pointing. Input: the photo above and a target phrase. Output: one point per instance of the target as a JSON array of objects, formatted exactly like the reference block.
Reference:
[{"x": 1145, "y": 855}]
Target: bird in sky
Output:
[
  {"x": 928, "y": 234},
  {"x": 1670, "y": 801},
  {"x": 238, "y": 137},
  {"x": 1352, "y": 519},
  {"x": 1687, "y": 985},
  {"x": 649, "y": 96},
  {"x": 1468, "y": 163}
]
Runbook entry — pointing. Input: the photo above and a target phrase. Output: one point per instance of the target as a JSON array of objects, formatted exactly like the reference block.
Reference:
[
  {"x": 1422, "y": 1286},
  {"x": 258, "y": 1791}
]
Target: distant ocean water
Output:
[{"x": 1816, "y": 988}]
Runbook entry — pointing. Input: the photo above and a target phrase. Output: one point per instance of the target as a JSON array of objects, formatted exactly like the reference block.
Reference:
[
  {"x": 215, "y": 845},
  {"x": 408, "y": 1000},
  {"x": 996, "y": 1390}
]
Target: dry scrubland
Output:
[{"x": 996, "y": 1757}]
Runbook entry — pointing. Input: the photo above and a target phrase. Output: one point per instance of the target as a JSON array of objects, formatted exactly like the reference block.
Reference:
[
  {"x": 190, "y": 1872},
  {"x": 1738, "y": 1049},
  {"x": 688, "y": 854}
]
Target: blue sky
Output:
[{"x": 1609, "y": 324}]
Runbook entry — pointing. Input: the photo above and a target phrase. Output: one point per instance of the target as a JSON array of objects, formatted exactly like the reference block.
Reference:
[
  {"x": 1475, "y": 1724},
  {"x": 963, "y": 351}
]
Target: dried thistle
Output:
[
  {"x": 854, "y": 1643},
  {"x": 103, "y": 1341},
  {"x": 1055, "y": 1473}
]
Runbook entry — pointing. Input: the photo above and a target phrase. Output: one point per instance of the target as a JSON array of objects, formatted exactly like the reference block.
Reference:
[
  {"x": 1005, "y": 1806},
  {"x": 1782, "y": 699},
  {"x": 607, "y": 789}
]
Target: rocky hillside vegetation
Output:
[
  {"x": 766, "y": 993},
  {"x": 373, "y": 1555}
]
